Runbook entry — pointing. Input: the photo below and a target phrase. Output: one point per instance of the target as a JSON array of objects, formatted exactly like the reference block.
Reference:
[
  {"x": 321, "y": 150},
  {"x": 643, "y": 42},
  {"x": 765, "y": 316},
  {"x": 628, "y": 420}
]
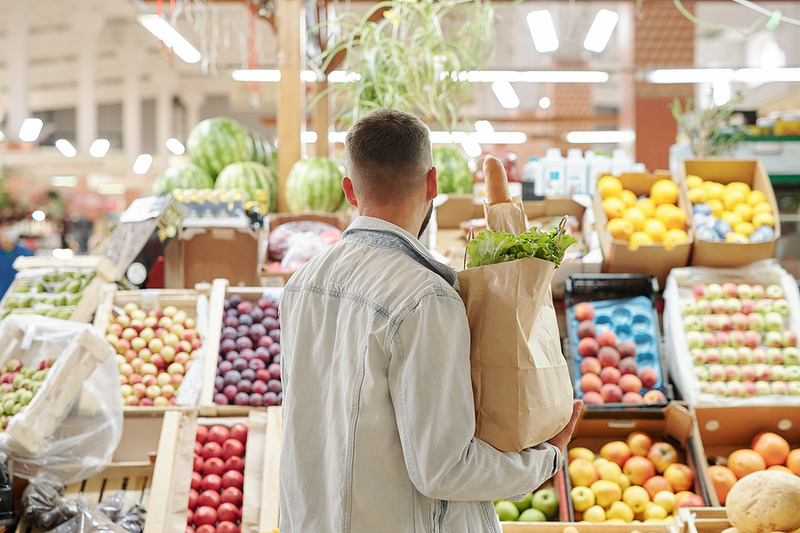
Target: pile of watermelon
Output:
[{"x": 225, "y": 155}]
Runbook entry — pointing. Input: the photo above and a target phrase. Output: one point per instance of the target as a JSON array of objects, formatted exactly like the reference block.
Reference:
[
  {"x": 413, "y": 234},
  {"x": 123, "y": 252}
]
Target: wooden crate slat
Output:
[{"x": 272, "y": 456}]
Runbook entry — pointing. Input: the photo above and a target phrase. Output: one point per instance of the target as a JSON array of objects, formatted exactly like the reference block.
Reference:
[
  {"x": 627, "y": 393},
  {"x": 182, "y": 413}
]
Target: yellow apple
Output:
[
  {"x": 654, "y": 510},
  {"x": 665, "y": 499},
  {"x": 606, "y": 492},
  {"x": 636, "y": 497},
  {"x": 595, "y": 513},
  {"x": 610, "y": 471},
  {"x": 639, "y": 442},
  {"x": 582, "y": 498},
  {"x": 578, "y": 451},
  {"x": 582, "y": 473}
]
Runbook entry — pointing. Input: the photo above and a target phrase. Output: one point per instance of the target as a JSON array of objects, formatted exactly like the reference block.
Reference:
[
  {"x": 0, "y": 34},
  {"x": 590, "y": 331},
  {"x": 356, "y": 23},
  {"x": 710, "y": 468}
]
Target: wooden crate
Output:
[
  {"x": 142, "y": 468},
  {"x": 148, "y": 299},
  {"x": 585, "y": 527},
  {"x": 90, "y": 299},
  {"x": 221, "y": 290},
  {"x": 703, "y": 519}
]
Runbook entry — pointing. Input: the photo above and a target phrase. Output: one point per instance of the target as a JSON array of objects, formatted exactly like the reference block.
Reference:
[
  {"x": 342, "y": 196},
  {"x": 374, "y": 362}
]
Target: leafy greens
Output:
[{"x": 491, "y": 247}]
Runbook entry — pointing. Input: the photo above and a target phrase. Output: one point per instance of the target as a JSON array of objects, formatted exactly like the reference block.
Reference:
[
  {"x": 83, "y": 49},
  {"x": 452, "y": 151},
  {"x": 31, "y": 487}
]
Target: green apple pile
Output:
[
  {"x": 47, "y": 292},
  {"x": 538, "y": 506},
  {"x": 18, "y": 385},
  {"x": 739, "y": 339}
]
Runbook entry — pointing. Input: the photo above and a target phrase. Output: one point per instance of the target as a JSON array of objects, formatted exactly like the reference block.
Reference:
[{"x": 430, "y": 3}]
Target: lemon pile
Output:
[
  {"x": 730, "y": 213},
  {"x": 646, "y": 220}
]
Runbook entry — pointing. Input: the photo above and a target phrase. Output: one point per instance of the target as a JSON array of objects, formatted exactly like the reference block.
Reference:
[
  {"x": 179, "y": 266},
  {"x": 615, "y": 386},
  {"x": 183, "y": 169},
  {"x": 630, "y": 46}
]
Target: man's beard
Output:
[{"x": 425, "y": 222}]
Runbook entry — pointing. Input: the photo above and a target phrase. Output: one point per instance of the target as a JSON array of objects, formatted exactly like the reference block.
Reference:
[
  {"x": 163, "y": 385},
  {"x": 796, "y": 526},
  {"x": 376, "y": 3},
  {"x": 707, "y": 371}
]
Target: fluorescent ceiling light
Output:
[
  {"x": 274, "y": 75},
  {"x": 543, "y": 31},
  {"x": 142, "y": 163},
  {"x": 38, "y": 215},
  {"x": 2, "y": 136},
  {"x": 99, "y": 147},
  {"x": 175, "y": 146},
  {"x": 531, "y": 76},
  {"x": 600, "y": 32},
  {"x": 111, "y": 188},
  {"x": 767, "y": 74},
  {"x": 64, "y": 181},
  {"x": 544, "y": 102},
  {"x": 30, "y": 129},
  {"x": 600, "y": 137},
  {"x": 713, "y": 75},
  {"x": 337, "y": 137},
  {"x": 63, "y": 253},
  {"x": 308, "y": 137},
  {"x": 164, "y": 31},
  {"x": 483, "y": 126},
  {"x": 66, "y": 148},
  {"x": 458, "y": 137},
  {"x": 721, "y": 90},
  {"x": 471, "y": 148},
  {"x": 505, "y": 94},
  {"x": 308, "y": 76},
  {"x": 342, "y": 76}
]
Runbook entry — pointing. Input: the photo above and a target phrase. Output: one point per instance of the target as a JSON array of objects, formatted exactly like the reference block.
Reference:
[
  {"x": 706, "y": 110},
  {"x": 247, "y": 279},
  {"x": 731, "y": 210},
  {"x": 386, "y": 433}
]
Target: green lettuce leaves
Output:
[{"x": 491, "y": 247}]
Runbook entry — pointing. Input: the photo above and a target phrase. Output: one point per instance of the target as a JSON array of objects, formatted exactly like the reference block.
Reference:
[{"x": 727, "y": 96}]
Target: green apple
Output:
[
  {"x": 525, "y": 502},
  {"x": 546, "y": 501},
  {"x": 532, "y": 515},
  {"x": 506, "y": 511}
]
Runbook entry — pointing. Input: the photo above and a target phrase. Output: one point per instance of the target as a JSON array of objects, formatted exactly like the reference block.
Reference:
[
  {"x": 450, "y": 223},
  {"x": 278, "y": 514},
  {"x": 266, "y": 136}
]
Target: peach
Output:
[
  {"x": 611, "y": 393},
  {"x": 591, "y": 382},
  {"x": 584, "y": 311},
  {"x": 627, "y": 349},
  {"x": 588, "y": 347},
  {"x": 593, "y": 398},
  {"x": 654, "y": 396},
  {"x": 632, "y": 397},
  {"x": 630, "y": 383},
  {"x": 649, "y": 377},
  {"x": 608, "y": 356},
  {"x": 590, "y": 365},
  {"x": 607, "y": 338},
  {"x": 609, "y": 374},
  {"x": 639, "y": 469},
  {"x": 586, "y": 329},
  {"x": 628, "y": 366}
]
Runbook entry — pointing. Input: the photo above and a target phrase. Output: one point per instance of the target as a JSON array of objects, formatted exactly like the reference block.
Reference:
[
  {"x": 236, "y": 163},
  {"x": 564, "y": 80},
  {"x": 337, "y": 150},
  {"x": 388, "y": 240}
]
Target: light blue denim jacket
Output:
[{"x": 378, "y": 409}]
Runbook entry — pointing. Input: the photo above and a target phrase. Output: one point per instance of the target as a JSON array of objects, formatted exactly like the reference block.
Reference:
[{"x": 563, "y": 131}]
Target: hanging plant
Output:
[{"x": 412, "y": 58}]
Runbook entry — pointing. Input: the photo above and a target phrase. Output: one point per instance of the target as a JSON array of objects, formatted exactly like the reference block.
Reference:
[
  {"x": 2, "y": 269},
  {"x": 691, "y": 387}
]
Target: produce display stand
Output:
[
  {"x": 587, "y": 527},
  {"x": 703, "y": 519},
  {"x": 220, "y": 291},
  {"x": 193, "y": 301},
  {"x": 90, "y": 295}
]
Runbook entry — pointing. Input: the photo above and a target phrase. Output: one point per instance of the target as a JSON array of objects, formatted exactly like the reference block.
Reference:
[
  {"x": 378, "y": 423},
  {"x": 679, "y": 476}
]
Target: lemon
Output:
[
  {"x": 745, "y": 210},
  {"x": 693, "y": 181},
  {"x": 716, "y": 206},
  {"x": 628, "y": 197},
  {"x": 595, "y": 513},
  {"x": 736, "y": 238},
  {"x": 637, "y": 498},
  {"x": 674, "y": 218},
  {"x": 733, "y": 197},
  {"x": 636, "y": 217},
  {"x": 714, "y": 190},
  {"x": 614, "y": 207},
  {"x": 763, "y": 219},
  {"x": 698, "y": 195},
  {"x": 606, "y": 492},
  {"x": 578, "y": 451},
  {"x": 731, "y": 217},
  {"x": 647, "y": 206},
  {"x": 620, "y": 229},
  {"x": 621, "y": 511},
  {"x": 639, "y": 238},
  {"x": 655, "y": 229},
  {"x": 663, "y": 209},
  {"x": 740, "y": 186},
  {"x": 756, "y": 197},
  {"x": 744, "y": 228},
  {"x": 609, "y": 186},
  {"x": 664, "y": 192},
  {"x": 674, "y": 237},
  {"x": 762, "y": 207},
  {"x": 610, "y": 471}
]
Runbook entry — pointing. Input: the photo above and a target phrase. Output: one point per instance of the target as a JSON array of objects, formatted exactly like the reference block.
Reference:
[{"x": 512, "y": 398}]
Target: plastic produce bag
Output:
[
  {"x": 72, "y": 425},
  {"x": 44, "y": 505},
  {"x": 89, "y": 519},
  {"x": 295, "y": 243}
]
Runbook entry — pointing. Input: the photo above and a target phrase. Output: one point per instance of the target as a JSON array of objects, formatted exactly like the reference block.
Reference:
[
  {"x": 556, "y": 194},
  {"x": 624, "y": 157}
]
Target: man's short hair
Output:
[{"x": 388, "y": 154}]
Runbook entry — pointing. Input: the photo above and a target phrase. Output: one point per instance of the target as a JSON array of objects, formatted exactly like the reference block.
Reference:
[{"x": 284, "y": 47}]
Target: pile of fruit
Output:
[
  {"x": 730, "y": 213},
  {"x": 768, "y": 451},
  {"x": 216, "y": 496},
  {"x": 154, "y": 351},
  {"x": 49, "y": 292},
  {"x": 650, "y": 219},
  {"x": 18, "y": 385},
  {"x": 249, "y": 361},
  {"x": 635, "y": 479},
  {"x": 211, "y": 203},
  {"x": 537, "y": 506},
  {"x": 739, "y": 340},
  {"x": 612, "y": 370}
]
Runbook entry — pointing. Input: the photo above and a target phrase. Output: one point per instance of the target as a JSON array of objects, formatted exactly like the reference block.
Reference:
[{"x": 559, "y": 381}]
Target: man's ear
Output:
[
  {"x": 433, "y": 186},
  {"x": 347, "y": 187}
]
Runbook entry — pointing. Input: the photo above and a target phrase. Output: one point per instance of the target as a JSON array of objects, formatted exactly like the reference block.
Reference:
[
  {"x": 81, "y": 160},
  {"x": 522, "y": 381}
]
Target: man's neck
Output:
[{"x": 396, "y": 216}]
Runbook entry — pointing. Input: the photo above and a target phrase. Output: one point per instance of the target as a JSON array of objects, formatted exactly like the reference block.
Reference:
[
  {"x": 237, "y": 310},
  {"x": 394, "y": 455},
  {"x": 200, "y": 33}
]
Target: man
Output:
[
  {"x": 378, "y": 407},
  {"x": 10, "y": 251}
]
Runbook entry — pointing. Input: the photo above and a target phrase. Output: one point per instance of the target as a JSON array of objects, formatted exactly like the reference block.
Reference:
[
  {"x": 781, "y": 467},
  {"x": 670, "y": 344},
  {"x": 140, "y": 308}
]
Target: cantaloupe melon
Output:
[{"x": 765, "y": 501}]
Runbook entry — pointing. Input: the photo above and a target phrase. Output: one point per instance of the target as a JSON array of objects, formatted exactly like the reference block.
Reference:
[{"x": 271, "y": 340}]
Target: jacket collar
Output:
[{"x": 379, "y": 232}]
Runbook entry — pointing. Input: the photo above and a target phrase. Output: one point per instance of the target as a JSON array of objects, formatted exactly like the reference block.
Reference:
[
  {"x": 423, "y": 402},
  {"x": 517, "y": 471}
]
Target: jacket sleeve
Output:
[{"x": 431, "y": 389}]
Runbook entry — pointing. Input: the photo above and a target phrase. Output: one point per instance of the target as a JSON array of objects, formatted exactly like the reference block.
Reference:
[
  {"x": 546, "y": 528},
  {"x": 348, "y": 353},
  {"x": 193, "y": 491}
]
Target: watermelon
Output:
[
  {"x": 260, "y": 150},
  {"x": 314, "y": 184},
  {"x": 452, "y": 170},
  {"x": 257, "y": 180},
  {"x": 182, "y": 177},
  {"x": 217, "y": 142}
]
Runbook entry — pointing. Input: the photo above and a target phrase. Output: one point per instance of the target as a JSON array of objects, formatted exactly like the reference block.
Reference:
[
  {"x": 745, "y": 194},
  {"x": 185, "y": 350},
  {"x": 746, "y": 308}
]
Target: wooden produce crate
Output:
[
  {"x": 31, "y": 269},
  {"x": 703, "y": 519},
  {"x": 560, "y": 485},
  {"x": 587, "y": 527},
  {"x": 222, "y": 291},
  {"x": 142, "y": 468},
  {"x": 193, "y": 302}
]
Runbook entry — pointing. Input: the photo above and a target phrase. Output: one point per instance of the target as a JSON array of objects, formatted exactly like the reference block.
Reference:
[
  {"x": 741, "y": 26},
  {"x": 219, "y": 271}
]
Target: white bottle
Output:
[
  {"x": 532, "y": 172},
  {"x": 575, "y": 172},
  {"x": 554, "y": 173},
  {"x": 600, "y": 165},
  {"x": 620, "y": 162}
]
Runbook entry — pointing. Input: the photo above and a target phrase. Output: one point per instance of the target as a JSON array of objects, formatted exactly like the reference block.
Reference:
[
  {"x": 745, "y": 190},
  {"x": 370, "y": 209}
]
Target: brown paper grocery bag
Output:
[{"x": 509, "y": 216}]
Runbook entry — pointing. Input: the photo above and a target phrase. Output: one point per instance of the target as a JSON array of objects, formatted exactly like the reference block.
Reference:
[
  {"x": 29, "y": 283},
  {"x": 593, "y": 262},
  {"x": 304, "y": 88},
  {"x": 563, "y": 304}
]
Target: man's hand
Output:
[{"x": 563, "y": 437}]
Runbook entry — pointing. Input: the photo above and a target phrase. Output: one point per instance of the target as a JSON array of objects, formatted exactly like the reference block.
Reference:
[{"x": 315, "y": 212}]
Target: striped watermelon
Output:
[
  {"x": 217, "y": 142},
  {"x": 260, "y": 150},
  {"x": 182, "y": 177},
  {"x": 452, "y": 170},
  {"x": 258, "y": 181},
  {"x": 314, "y": 184}
]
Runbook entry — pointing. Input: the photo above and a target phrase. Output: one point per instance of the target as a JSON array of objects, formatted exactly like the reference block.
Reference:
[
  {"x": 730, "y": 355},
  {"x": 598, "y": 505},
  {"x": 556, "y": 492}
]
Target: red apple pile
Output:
[
  {"x": 154, "y": 351},
  {"x": 608, "y": 369},
  {"x": 249, "y": 361},
  {"x": 215, "y": 499}
]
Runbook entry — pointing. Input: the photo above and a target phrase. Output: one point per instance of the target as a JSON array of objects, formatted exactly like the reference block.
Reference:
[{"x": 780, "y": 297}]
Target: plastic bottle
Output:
[
  {"x": 554, "y": 173},
  {"x": 600, "y": 164},
  {"x": 620, "y": 162},
  {"x": 575, "y": 172},
  {"x": 532, "y": 176}
]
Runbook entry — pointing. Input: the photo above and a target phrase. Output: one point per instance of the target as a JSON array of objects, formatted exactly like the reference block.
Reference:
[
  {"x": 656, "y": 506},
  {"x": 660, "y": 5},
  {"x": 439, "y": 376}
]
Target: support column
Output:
[
  {"x": 17, "y": 32},
  {"x": 291, "y": 116},
  {"x": 320, "y": 119},
  {"x": 164, "y": 117},
  {"x": 89, "y": 24},
  {"x": 132, "y": 99}
]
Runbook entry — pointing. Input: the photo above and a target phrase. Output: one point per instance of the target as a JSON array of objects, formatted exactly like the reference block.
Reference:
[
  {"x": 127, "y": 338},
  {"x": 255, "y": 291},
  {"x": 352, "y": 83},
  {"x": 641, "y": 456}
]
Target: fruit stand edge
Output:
[
  {"x": 272, "y": 455},
  {"x": 163, "y": 472},
  {"x": 211, "y": 348}
]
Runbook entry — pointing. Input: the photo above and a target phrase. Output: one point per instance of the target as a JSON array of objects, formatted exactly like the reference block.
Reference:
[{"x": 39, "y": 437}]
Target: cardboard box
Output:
[
  {"x": 652, "y": 259},
  {"x": 723, "y": 430},
  {"x": 674, "y": 424},
  {"x": 724, "y": 254}
]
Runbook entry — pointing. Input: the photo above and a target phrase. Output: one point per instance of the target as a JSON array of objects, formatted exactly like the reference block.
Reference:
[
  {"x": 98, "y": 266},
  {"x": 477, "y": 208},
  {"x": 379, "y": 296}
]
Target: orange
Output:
[
  {"x": 745, "y": 461},
  {"x": 772, "y": 447},
  {"x": 723, "y": 479},
  {"x": 793, "y": 461},
  {"x": 781, "y": 468}
]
